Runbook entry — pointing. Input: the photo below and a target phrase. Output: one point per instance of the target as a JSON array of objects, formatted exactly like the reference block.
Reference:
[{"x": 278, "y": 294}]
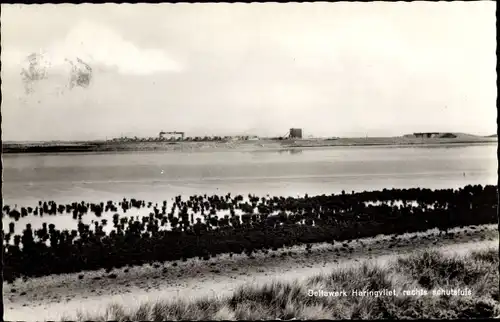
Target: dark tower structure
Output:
[{"x": 296, "y": 133}]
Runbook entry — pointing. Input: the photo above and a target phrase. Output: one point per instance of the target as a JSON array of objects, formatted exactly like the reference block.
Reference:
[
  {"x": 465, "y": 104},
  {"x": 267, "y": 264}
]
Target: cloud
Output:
[
  {"x": 100, "y": 46},
  {"x": 103, "y": 46},
  {"x": 72, "y": 61}
]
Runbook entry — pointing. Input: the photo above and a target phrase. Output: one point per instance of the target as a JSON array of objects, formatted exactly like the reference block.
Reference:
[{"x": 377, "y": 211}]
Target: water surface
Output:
[{"x": 158, "y": 176}]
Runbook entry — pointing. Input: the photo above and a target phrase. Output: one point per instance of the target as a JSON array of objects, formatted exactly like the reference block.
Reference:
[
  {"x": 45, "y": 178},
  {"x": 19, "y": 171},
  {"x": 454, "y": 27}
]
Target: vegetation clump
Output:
[{"x": 195, "y": 227}]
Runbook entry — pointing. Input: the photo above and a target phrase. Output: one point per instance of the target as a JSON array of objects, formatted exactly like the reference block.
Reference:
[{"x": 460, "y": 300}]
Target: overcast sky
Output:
[{"x": 333, "y": 69}]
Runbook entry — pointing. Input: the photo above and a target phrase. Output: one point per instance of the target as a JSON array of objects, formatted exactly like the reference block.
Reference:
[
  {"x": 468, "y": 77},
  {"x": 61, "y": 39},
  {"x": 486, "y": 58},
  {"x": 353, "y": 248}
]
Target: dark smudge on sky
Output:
[
  {"x": 81, "y": 74},
  {"x": 37, "y": 70}
]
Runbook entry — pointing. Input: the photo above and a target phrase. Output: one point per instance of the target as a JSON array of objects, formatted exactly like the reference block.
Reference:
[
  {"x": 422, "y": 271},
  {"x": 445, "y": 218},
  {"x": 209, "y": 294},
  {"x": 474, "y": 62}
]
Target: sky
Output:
[{"x": 332, "y": 69}]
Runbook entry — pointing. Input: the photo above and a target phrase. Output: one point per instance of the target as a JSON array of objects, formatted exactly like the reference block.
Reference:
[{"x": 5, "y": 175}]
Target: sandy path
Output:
[{"x": 48, "y": 298}]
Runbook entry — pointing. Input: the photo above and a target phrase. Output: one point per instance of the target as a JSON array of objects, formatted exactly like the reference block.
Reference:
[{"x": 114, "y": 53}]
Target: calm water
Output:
[{"x": 158, "y": 176}]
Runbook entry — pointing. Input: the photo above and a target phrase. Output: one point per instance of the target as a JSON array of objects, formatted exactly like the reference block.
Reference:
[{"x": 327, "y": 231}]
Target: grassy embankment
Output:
[{"x": 430, "y": 270}]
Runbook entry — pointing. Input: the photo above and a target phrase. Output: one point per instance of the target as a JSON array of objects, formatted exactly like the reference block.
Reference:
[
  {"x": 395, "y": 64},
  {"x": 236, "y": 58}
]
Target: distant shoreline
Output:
[{"x": 214, "y": 146}]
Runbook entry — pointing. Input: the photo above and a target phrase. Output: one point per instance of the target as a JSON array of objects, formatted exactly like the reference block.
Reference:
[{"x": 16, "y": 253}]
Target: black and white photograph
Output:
[{"x": 249, "y": 161}]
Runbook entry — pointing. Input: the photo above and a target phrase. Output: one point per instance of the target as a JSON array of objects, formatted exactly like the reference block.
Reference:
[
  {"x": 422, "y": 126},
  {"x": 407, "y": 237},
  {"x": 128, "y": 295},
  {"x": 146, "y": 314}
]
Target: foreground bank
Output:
[
  {"x": 56, "y": 296},
  {"x": 424, "y": 285}
]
